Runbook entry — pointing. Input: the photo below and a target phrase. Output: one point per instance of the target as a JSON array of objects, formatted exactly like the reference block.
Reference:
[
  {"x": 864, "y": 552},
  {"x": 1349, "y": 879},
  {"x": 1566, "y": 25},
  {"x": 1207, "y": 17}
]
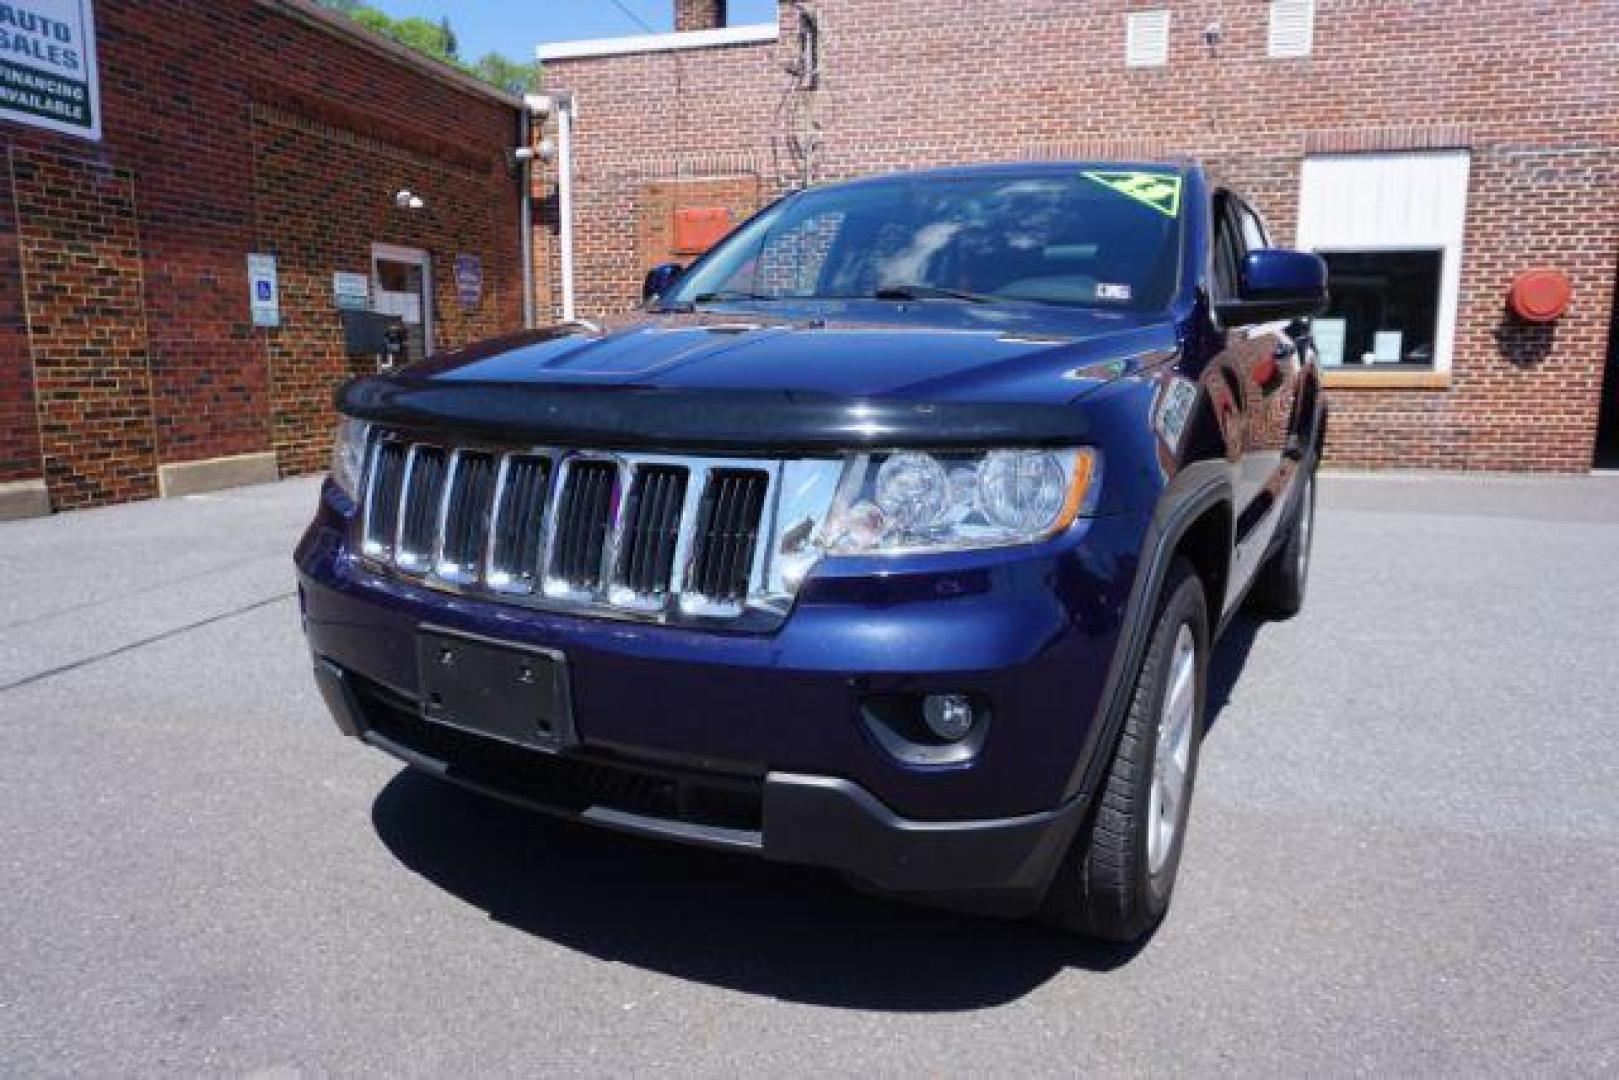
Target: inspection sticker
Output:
[
  {"x": 1108, "y": 290},
  {"x": 1161, "y": 191}
]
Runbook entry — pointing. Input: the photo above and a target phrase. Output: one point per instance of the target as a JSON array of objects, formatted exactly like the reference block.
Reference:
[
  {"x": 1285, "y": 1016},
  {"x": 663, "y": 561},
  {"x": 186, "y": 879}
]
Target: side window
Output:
[{"x": 1227, "y": 253}]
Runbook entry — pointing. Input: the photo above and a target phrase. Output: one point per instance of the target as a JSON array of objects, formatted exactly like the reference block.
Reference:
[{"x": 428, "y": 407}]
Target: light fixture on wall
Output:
[{"x": 406, "y": 199}]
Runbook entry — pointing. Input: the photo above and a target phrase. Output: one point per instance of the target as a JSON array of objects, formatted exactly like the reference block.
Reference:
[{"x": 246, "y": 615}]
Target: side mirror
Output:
[
  {"x": 1277, "y": 285},
  {"x": 660, "y": 279}
]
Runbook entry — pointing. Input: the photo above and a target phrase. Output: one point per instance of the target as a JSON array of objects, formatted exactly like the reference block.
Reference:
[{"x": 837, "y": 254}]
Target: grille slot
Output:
[
  {"x": 583, "y": 517},
  {"x": 425, "y": 473},
  {"x": 382, "y": 501},
  {"x": 466, "y": 515},
  {"x": 651, "y": 530},
  {"x": 727, "y": 534},
  {"x": 514, "y": 553}
]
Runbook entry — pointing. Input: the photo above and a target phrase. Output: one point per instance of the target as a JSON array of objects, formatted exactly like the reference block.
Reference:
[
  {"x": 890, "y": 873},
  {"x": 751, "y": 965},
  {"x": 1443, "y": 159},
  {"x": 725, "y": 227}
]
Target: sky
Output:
[{"x": 514, "y": 27}]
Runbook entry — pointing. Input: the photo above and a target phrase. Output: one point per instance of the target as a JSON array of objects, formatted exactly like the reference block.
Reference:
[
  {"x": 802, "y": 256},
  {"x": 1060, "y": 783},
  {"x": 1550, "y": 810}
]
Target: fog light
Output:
[{"x": 949, "y": 716}]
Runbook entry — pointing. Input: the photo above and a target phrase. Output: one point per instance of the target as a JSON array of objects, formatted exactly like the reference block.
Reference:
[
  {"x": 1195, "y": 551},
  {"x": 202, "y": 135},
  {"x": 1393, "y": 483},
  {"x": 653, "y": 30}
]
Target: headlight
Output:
[
  {"x": 348, "y": 455},
  {"x": 912, "y": 502}
]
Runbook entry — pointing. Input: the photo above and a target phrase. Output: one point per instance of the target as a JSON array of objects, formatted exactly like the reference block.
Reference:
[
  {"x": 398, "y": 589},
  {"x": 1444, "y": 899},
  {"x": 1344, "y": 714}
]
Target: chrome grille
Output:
[{"x": 648, "y": 536}]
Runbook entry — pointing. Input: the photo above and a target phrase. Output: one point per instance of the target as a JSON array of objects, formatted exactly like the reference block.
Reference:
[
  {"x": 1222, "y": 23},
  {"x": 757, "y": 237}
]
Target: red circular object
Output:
[{"x": 1540, "y": 295}]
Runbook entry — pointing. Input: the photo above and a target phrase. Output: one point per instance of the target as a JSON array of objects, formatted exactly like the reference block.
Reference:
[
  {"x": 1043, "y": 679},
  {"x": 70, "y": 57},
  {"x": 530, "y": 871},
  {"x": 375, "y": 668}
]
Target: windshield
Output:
[{"x": 1107, "y": 239}]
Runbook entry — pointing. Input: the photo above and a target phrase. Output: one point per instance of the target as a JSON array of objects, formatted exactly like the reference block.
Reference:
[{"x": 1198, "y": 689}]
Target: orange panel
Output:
[{"x": 699, "y": 228}]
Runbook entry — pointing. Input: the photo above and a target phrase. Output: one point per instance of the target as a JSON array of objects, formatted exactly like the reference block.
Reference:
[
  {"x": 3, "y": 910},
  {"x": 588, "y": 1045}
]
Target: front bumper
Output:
[
  {"x": 772, "y": 721},
  {"x": 995, "y": 866}
]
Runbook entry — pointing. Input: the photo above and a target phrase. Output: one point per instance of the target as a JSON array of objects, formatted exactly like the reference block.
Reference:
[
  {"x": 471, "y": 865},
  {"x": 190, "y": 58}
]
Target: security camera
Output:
[
  {"x": 523, "y": 153},
  {"x": 538, "y": 104},
  {"x": 546, "y": 151},
  {"x": 406, "y": 199}
]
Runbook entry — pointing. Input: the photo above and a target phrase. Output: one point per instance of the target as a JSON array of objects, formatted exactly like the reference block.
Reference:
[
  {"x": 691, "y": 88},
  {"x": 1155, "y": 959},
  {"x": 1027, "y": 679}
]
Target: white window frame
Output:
[
  {"x": 413, "y": 257},
  {"x": 1138, "y": 23},
  {"x": 1325, "y": 226}
]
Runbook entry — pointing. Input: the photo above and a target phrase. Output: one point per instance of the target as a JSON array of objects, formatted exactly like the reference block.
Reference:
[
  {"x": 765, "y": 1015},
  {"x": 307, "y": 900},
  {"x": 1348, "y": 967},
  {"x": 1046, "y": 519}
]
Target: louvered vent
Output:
[
  {"x": 651, "y": 531},
  {"x": 382, "y": 501},
  {"x": 1146, "y": 38},
  {"x": 425, "y": 472},
  {"x": 727, "y": 534},
  {"x": 514, "y": 553},
  {"x": 1292, "y": 27},
  {"x": 466, "y": 516},
  {"x": 584, "y": 516}
]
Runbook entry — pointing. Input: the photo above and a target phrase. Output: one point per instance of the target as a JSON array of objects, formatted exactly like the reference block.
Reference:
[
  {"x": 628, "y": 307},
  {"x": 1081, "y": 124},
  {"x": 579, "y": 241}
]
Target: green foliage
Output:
[{"x": 438, "y": 41}]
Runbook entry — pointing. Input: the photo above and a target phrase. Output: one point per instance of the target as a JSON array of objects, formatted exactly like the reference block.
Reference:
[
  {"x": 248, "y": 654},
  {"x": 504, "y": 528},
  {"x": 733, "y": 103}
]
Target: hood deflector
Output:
[{"x": 632, "y": 417}]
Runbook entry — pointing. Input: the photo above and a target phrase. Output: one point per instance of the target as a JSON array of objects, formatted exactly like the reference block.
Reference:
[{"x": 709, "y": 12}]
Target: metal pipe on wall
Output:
[
  {"x": 525, "y": 171},
  {"x": 565, "y": 118}
]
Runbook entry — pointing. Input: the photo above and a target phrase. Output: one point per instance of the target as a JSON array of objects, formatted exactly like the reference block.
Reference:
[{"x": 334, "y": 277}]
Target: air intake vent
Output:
[
  {"x": 425, "y": 472},
  {"x": 514, "y": 554},
  {"x": 382, "y": 499},
  {"x": 1146, "y": 38},
  {"x": 584, "y": 516},
  {"x": 651, "y": 531},
  {"x": 466, "y": 516},
  {"x": 727, "y": 534},
  {"x": 1292, "y": 27}
]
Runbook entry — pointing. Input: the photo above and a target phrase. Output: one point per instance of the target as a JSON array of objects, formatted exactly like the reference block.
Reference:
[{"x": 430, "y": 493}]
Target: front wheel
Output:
[{"x": 1118, "y": 876}]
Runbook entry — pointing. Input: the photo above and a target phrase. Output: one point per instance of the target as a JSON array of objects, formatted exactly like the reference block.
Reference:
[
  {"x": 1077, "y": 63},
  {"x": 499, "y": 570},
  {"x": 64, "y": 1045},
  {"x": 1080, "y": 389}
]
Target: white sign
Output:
[
  {"x": 351, "y": 292},
  {"x": 264, "y": 295},
  {"x": 48, "y": 66},
  {"x": 1386, "y": 346},
  {"x": 1329, "y": 340}
]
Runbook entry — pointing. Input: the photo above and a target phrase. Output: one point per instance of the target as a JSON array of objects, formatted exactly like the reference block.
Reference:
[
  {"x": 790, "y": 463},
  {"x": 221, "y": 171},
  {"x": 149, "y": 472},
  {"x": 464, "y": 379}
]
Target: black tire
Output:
[
  {"x": 1107, "y": 886},
  {"x": 1278, "y": 591}
]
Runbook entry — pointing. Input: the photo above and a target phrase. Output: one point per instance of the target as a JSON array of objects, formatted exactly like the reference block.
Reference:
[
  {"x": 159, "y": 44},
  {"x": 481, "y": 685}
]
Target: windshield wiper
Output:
[
  {"x": 929, "y": 292},
  {"x": 729, "y": 294}
]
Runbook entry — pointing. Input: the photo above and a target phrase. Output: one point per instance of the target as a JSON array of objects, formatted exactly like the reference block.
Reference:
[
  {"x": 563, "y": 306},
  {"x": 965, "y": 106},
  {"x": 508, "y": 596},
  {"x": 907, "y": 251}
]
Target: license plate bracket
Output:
[{"x": 511, "y": 692}]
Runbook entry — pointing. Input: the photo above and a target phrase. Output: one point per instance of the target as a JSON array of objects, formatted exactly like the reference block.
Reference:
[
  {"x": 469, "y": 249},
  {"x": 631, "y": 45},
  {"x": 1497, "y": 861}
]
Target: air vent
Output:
[
  {"x": 514, "y": 552},
  {"x": 1292, "y": 27},
  {"x": 727, "y": 534},
  {"x": 425, "y": 473},
  {"x": 651, "y": 531},
  {"x": 466, "y": 516},
  {"x": 583, "y": 518},
  {"x": 1146, "y": 38},
  {"x": 382, "y": 499}
]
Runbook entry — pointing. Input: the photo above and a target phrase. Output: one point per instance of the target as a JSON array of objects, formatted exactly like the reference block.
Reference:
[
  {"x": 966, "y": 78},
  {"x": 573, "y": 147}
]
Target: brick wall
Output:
[
  {"x": 230, "y": 126},
  {"x": 1530, "y": 89}
]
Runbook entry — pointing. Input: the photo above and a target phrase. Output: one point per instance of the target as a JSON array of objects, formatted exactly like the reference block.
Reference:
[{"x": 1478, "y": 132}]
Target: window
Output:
[
  {"x": 401, "y": 285},
  {"x": 1292, "y": 27},
  {"x": 1390, "y": 229},
  {"x": 1146, "y": 38},
  {"x": 1385, "y": 308}
]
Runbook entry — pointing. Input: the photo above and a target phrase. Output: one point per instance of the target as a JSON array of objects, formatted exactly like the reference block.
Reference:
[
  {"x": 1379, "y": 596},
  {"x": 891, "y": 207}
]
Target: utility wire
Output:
[{"x": 629, "y": 14}]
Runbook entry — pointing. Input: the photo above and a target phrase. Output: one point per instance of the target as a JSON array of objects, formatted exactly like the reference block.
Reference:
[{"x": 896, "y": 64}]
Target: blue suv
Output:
[{"x": 891, "y": 536}]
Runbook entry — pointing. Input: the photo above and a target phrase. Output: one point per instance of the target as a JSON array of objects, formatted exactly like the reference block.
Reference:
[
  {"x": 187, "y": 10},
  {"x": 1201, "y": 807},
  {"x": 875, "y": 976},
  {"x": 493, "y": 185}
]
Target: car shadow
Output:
[
  {"x": 732, "y": 921},
  {"x": 1226, "y": 663}
]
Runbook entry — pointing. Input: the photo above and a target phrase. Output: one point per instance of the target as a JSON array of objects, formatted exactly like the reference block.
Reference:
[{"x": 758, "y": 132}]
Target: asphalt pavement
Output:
[{"x": 1404, "y": 855}]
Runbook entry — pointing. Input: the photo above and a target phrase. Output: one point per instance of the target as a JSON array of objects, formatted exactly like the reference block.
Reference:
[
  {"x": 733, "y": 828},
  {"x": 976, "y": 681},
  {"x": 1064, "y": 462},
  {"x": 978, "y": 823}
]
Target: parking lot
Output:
[{"x": 1402, "y": 857}]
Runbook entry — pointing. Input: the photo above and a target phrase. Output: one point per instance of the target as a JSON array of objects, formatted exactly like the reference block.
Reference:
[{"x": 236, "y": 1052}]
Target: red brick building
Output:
[
  {"x": 130, "y": 361},
  {"x": 1432, "y": 151}
]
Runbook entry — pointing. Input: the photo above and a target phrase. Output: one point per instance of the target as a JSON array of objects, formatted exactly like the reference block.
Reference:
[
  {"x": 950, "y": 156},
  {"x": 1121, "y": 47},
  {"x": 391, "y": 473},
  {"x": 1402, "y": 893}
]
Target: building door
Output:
[
  {"x": 1607, "y": 448},
  {"x": 402, "y": 285}
]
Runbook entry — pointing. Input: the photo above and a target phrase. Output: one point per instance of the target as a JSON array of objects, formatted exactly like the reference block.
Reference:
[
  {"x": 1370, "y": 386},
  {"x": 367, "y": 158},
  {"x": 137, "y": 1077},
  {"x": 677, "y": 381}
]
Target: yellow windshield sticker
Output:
[{"x": 1160, "y": 191}]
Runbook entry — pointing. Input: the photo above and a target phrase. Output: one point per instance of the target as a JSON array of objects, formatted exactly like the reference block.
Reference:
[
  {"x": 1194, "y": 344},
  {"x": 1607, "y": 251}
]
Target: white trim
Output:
[{"x": 755, "y": 34}]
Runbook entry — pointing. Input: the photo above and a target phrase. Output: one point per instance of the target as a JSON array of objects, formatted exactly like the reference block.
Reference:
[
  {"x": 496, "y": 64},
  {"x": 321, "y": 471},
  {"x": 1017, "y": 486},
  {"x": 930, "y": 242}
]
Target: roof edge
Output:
[
  {"x": 313, "y": 15},
  {"x": 752, "y": 34}
]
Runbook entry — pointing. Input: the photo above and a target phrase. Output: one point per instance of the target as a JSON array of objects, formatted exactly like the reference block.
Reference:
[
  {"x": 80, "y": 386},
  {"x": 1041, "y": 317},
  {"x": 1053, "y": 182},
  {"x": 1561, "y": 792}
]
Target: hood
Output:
[
  {"x": 812, "y": 377},
  {"x": 923, "y": 351}
]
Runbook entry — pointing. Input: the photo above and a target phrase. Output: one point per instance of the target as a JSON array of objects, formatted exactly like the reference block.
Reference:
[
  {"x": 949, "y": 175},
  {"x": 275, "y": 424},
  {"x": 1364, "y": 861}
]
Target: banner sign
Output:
[
  {"x": 264, "y": 298},
  {"x": 48, "y": 66}
]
